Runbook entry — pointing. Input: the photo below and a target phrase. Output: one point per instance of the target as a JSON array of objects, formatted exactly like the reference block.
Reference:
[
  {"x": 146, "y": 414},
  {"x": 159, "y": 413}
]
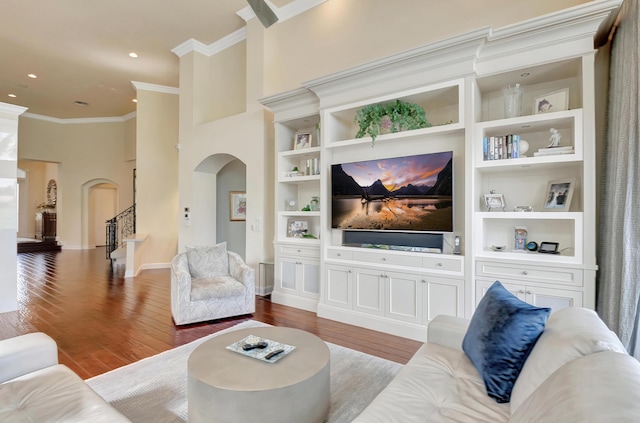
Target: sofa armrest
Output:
[
  {"x": 25, "y": 354},
  {"x": 447, "y": 331}
]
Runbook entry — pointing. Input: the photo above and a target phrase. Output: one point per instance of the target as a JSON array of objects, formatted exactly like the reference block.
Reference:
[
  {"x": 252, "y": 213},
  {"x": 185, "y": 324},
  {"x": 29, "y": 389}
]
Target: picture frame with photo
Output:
[
  {"x": 297, "y": 228},
  {"x": 559, "y": 194},
  {"x": 494, "y": 201},
  {"x": 302, "y": 140},
  {"x": 552, "y": 102},
  {"x": 237, "y": 206}
]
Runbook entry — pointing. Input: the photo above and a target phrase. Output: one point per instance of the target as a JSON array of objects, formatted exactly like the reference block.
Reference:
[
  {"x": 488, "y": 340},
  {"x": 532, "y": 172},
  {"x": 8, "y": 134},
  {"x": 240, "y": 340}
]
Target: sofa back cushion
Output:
[
  {"x": 600, "y": 387},
  {"x": 502, "y": 332},
  {"x": 208, "y": 261},
  {"x": 570, "y": 333}
]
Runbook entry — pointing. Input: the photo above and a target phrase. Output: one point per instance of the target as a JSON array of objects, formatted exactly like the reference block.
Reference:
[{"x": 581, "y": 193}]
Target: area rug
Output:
[{"x": 154, "y": 389}]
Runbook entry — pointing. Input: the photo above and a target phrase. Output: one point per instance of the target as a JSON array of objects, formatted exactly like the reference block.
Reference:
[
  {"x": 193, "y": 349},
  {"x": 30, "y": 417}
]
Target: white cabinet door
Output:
[
  {"x": 442, "y": 296},
  {"x": 309, "y": 278},
  {"x": 556, "y": 299},
  {"x": 404, "y": 296},
  {"x": 516, "y": 289},
  {"x": 369, "y": 290},
  {"x": 339, "y": 286},
  {"x": 286, "y": 274}
]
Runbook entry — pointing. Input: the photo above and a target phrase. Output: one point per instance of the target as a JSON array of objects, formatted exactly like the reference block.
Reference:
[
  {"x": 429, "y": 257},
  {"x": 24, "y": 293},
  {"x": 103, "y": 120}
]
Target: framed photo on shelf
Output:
[
  {"x": 297, "y": 228},
  {"x": 237, "y": 205},
  {"x": 302, "y": 140},
  {"x": 494, "y": 201},
  {"x": 552, "y": 102},
  {"x": 559, "y": 194}
]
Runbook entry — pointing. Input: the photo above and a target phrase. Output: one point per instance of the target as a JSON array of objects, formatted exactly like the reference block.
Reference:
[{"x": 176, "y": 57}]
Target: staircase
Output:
[{"x": 117, "y": 230}]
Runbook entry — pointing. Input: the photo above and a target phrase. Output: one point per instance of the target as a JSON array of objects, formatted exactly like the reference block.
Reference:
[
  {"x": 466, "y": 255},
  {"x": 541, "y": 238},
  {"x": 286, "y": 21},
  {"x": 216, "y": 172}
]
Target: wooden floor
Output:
[{"x": 102, "y": 321}]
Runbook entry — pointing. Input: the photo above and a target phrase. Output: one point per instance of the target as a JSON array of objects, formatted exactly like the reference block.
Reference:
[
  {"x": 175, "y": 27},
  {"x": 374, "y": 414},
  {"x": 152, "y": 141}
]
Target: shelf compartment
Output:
[
  {"x": 498, "y": 229},
  {"x": 286, "y": 223},
  {"x": 536, "y": 131},
  {"x": 405, "y": 135},
  {"x": 442, "y": 104}
]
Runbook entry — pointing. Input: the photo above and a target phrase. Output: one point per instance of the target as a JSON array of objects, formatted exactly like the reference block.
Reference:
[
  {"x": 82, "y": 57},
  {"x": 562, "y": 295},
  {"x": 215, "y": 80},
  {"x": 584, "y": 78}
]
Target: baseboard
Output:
[
  {"x": 381, "y": 324},
  {"x": 294, "y": 301},
  {"x": 149, "y": 266}
]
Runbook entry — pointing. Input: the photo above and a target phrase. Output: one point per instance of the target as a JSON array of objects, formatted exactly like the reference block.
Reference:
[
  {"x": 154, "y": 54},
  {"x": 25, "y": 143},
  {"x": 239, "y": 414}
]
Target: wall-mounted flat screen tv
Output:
[{"x": 412, "y": 193}]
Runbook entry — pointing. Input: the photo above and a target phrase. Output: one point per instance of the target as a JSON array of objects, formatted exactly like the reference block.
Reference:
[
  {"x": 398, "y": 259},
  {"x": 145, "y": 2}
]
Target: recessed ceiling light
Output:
[
  {"x": 135, "y": 100},
  {"x": 80, "y": 103},
  {"x": 133, "y": 54},
  {"x": 32, "y": 75},
  {"x": 525, "y": 74},
  {"x": 12, "y": 95}
]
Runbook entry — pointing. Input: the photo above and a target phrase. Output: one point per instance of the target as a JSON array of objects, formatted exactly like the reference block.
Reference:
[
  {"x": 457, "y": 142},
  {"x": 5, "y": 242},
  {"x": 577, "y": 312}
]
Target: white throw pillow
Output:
[
  {"x": 208, "y": 261},
  {"x": 570, "y": 333},
  {"x": 600, "y": 387}
]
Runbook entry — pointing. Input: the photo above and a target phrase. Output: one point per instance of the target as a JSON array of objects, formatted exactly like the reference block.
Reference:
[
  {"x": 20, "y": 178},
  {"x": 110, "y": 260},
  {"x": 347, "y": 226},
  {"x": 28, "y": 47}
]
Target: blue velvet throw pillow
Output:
[{"x": 501, "y": 334}]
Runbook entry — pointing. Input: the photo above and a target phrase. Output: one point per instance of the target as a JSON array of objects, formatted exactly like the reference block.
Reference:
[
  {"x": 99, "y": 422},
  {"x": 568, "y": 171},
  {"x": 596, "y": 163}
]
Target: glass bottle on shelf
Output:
[{"x": 314, "y": 205}]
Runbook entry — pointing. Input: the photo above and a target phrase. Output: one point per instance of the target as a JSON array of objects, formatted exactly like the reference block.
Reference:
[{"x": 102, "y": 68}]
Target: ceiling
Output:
[{"x": 79, "y": 49}]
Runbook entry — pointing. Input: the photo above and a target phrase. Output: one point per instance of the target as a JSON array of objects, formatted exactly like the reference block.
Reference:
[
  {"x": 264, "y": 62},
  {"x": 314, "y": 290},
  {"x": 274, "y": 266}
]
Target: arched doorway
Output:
[
  {"x": 99, "y": 203},
  {"x": 213, "y": 181}
]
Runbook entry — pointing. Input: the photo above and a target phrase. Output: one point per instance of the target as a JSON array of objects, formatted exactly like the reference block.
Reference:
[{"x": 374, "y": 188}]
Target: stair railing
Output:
[{"x": 120, "y": 227}]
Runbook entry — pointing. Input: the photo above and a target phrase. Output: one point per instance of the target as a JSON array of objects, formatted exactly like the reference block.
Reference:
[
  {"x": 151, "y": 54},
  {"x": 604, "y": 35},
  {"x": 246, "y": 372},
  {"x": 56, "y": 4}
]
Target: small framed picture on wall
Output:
[{"x": 238, "y": 205}]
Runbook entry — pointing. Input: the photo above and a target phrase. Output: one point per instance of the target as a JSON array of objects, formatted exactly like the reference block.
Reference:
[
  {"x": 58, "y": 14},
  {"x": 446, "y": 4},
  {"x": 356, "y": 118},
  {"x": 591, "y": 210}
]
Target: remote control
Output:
[
  {"x": 273, "y": 354},
  {"x": 249, "y": 347}
]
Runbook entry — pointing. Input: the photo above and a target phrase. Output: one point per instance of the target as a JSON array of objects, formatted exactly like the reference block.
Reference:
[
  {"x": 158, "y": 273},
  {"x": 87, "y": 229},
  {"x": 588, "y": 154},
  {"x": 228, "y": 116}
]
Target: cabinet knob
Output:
[
  {"x": 298, "y": 250},
  {"x": 338, "y": 254},
  {"x": 384, "y": 259},
  {"x": 439, "y": 264},
  {"x": 524, "y": 272},
  {"x": 529, "y": 292},
  {"x": 349, "y": 271},
  {"x": 521, "y": 291},
  {"x": 423, "y": 281},
  {"x": 382, "y": 275}
]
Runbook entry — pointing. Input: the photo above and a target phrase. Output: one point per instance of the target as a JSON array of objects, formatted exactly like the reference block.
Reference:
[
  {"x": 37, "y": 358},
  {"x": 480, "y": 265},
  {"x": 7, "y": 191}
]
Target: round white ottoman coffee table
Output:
[{"x": 225, "y": 386}]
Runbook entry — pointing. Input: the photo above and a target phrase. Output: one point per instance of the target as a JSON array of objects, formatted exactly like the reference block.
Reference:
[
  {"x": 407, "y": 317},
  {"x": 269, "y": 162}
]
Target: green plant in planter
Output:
[{"x": 395, "y": 116}]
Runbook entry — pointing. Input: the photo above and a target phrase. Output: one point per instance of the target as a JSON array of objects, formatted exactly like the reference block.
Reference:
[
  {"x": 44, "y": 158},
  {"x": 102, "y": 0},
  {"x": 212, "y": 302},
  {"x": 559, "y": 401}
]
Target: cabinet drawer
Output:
[
  {"x": 555, "y": 275},
  {"x": 339, "y": 254},
  {"x": 437, "y": 263},
  {"x": 388, "y": 259},
  {"x": 298, "y": 251}
]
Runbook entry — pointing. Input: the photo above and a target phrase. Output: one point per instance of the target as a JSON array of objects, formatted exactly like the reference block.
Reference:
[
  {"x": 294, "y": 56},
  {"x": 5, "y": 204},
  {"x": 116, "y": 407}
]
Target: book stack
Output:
[
  {"x": 501, "y": 147},
  {"x": 552, "y": 151}
]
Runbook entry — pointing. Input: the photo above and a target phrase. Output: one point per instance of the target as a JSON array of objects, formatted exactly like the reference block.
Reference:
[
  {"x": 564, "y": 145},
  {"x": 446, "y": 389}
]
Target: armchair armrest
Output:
[
  {"x": 240, "y": 271},
  {"x": 447, "y": 331},
  {"x": 25, "y": 354}
]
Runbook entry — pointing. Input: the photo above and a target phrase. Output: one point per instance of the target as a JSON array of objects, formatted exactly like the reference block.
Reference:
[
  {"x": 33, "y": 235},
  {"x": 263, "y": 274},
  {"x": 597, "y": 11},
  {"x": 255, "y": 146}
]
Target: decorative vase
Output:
[
  {"x": 314, "y": 205},
  {"x": 512, "y": 100}
]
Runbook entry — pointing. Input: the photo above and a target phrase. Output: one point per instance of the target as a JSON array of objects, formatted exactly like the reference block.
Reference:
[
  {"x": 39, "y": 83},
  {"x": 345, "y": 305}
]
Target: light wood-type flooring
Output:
[{"x": 102, "y": 320}]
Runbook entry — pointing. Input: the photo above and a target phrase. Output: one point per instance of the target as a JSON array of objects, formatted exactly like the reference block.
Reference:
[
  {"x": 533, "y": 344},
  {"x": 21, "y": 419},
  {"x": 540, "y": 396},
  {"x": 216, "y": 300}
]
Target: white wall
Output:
[{"x": 8, "y": 206}]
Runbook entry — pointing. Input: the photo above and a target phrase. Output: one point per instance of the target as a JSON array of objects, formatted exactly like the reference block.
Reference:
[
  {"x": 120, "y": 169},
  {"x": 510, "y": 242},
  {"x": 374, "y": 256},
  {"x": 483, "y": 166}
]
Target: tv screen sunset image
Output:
[{"x": 404, "y": 193}]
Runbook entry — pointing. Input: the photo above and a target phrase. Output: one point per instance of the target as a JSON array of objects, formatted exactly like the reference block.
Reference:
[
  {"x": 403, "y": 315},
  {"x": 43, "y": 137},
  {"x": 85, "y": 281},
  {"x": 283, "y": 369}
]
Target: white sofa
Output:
[
  {"x": 578, "y": 371},
  {"x": 35, "y": 388}
]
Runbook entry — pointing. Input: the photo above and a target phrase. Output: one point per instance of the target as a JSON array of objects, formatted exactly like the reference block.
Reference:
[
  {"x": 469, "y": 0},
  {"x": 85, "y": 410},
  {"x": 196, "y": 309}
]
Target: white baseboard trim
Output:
[
  {"x": 294, "y": 301},
  {"x": 149, "y": 266},
  {"x": 381, "y": 324}
]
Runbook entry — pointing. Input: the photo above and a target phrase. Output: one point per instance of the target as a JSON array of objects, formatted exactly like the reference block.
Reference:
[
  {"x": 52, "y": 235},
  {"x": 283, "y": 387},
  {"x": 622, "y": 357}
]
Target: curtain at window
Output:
[{"x": 619, "y": 232}]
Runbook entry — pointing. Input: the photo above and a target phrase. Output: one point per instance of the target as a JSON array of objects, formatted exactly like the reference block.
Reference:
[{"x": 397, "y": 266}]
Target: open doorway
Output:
[{"x": 99, "y": 204}]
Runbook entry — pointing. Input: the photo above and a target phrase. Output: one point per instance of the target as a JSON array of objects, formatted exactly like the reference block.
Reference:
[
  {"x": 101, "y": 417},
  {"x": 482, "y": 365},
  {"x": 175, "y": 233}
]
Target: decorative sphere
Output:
[{"x": 524, "y": 147}]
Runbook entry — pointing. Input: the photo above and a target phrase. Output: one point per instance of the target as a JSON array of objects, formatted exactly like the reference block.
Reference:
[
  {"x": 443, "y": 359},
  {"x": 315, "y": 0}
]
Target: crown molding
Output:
[
  {"x": 81, "y": 120},
  {"x": 193, "y": 45},
  {"x": 292, "y": 104},
  {"x": 154, "y": 87}
]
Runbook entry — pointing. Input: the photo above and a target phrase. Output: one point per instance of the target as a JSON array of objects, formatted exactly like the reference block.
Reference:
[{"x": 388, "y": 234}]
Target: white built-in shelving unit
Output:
[{"x": 458, "y": 82}]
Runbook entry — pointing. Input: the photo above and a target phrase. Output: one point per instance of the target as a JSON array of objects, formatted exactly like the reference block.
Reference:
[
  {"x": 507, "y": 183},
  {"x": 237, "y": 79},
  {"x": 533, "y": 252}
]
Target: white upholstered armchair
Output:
[{"x": 210, "y": 283}]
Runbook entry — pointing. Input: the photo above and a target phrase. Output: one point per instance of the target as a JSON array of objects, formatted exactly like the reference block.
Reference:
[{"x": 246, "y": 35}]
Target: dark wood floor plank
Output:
[{"x": 102, "y": 321}]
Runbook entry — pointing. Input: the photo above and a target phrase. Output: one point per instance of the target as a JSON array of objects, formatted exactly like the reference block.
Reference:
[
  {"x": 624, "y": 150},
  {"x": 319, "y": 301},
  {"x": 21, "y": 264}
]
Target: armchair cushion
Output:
[
  {"x": 208, "y": 261},
  {"x": 219, "y": 287}
]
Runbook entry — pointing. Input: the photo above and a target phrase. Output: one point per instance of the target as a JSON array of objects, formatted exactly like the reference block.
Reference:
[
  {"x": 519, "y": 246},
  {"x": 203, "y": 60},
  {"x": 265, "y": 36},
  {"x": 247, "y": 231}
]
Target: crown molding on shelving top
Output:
[{"x": 292, "y": 104}]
